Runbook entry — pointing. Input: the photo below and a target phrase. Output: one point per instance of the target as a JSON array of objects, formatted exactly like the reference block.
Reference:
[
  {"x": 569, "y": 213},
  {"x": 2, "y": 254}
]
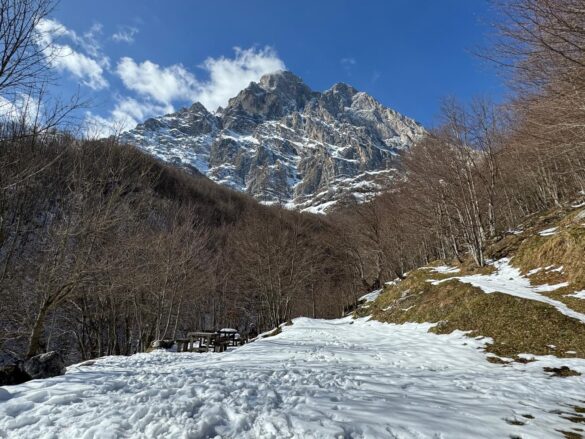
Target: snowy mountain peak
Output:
[
  {"x": 283, "y": 79},
  {"x": 282, "y": 142},
  {"x": 274, "y": 96},
  {"x": 342, "y": 89}
]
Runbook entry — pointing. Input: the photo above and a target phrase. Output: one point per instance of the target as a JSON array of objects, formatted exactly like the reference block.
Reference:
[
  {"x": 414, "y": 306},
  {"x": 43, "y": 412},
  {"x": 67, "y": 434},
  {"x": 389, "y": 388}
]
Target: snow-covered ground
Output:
[
  {"x": 370, "y": 297},
  {"x": 317, "y": 379},
  {"x": 444, "y": 269},
  {"x": 508, "y": 280}
]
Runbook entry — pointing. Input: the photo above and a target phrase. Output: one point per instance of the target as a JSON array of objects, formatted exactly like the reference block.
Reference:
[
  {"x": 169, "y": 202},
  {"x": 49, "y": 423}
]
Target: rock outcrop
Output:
[
  {"x": 45, "y": 365},
  {"x": 13, "y": 374}
]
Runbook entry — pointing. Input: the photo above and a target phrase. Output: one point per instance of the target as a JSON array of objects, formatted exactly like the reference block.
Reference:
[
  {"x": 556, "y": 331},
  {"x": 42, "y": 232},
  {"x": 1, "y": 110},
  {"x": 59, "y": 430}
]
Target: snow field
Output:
[{"x": 317, "y": 379}]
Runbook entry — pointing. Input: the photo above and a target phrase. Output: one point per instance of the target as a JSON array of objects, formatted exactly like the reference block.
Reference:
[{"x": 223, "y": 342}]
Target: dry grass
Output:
[
  {"x": 570, "y": 434},
  {"x": 550, "y": 276},
  {"x": 516, "y": 325},
  {"x": 563, "y": 371},
  {"x": 509, "y": 244},
  {"x": 564, "y": 295},
  {"x": 565, "y": 248}
]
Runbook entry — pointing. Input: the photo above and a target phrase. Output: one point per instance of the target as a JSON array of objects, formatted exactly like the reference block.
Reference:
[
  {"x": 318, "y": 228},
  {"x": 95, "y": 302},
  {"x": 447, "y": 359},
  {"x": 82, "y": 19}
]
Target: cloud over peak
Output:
[
  {"x": 148, "y": 88},
  {"x": 226, "y": 77},
  {"x": 158, "y": 89}
]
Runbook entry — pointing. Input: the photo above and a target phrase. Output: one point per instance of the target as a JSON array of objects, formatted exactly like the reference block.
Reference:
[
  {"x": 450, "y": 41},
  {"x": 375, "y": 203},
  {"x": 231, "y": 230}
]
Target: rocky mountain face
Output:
[{"x": 283, "y": 143}]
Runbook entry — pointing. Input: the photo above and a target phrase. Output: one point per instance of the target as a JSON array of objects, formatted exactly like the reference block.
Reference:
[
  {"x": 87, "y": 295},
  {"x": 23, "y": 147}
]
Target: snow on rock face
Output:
[
  {"x": 45, "y": 365},
  {"x": 284, "y": 143},
  {"x": 317, "y": 379}
]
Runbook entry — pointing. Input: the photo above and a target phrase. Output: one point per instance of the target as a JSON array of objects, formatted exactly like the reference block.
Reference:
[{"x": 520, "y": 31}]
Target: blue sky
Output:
[{"x": 135, "y": 59}]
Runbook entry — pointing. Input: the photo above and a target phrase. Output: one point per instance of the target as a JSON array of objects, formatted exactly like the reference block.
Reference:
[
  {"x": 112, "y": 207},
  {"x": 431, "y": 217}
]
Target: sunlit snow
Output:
[
  {"x": 317, "y": 379},
  {"x": 508, "y": 280}
]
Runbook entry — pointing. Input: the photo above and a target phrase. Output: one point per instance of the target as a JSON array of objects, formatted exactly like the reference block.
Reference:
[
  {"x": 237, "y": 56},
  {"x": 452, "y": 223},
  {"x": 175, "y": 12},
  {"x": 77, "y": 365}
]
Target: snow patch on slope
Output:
[
  {"x": 370, "y": 297},
  {"x": 508, "y": 280},
  {"x": 578, "y": 294}
]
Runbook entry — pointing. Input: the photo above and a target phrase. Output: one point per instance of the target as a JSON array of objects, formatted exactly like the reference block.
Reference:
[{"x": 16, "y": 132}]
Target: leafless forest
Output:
[{"x": 103, "y": 249}]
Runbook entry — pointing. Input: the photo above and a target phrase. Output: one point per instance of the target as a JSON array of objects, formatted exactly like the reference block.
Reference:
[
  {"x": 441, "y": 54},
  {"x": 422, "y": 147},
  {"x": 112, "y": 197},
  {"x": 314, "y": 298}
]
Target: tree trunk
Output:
[{"x": 34, "y": 341}]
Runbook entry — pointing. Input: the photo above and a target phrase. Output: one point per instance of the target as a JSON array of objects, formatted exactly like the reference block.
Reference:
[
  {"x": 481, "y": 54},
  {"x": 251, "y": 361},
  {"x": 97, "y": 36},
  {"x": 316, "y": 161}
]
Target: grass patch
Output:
[
  {"x": 575, "y": 419},
  {"x": 530, "y": 250},
  {"x": 550, "y": 276},
  {"x": 508, "y": 245},
  {"x": 524, "y": 360},
  {"x": 513, "y": 421},
  {"x": 565, "y": 248},
  {"x": 516, "y": 325},
  {"x": 562, "y": 372},
  {"x": 564, "y": 295},
  {"x": 570, "y": 434},
  {"x": 497, "y": 360}
]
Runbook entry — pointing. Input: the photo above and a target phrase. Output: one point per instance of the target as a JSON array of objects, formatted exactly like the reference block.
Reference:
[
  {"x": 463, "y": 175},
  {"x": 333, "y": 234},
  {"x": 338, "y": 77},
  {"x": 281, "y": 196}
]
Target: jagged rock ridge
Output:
[{"x": 284, "y": 143}]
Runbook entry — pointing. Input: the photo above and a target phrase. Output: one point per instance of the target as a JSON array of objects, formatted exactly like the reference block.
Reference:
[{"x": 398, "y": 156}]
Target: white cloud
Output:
[
  {"x": 49, "y": 29},
  {"x": 348, "y": 61},
  {"x": 90, "y": 40},
  {"x": 125, "y": 34},
  {"x": 163, "y": 84},
  {"x": 138, "y": 111},
  {"x": 127, "y": 113},
  {"x": 81, "y": 66},
  {"x": 22, "y": 108},
  {"x": 158, "y": 88},
  {"x": 227, "y": 76},
  {"x": 89, "y": 68},
  {"x": 348, "y": 64}
]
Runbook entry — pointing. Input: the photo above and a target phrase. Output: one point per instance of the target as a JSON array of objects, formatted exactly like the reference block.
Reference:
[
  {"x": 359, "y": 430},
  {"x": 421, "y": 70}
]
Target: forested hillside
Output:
[{"x": 104, "y": 250}]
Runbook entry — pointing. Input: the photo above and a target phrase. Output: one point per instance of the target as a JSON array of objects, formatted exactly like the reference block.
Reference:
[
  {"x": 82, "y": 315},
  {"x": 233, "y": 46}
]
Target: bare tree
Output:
[{"x": 24, "y": 53}]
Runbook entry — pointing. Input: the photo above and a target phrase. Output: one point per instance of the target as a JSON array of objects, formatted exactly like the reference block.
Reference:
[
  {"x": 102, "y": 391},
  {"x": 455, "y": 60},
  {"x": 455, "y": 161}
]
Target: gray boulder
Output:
[
  {"x": 13, "y": 374},
  {"x": 45, "y": 365}
]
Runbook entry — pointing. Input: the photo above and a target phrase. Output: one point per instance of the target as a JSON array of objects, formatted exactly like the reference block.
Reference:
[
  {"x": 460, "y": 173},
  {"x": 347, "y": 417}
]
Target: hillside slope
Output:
[
  {"x": 282, "y": 142},
  {"x": 104, "y": 249},
  {"x": 529, "y": 298},
  {"x": 316, "y": 379}
]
